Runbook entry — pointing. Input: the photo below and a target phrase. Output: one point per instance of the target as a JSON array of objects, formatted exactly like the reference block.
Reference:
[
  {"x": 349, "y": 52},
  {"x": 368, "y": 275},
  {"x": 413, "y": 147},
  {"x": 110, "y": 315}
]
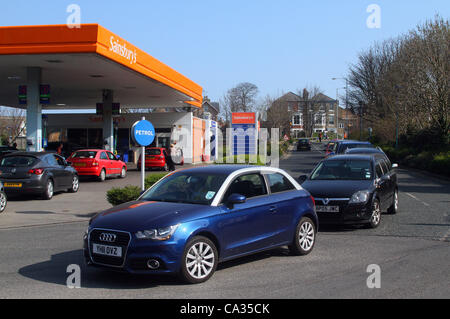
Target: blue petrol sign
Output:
[{"x": 143, "y": 133}]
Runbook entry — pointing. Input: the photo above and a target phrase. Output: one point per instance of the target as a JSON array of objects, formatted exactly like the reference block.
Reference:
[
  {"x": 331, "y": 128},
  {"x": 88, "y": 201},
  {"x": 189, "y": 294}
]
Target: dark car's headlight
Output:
[
  {"x": 360, "y": 197},
  {"x": 157, "y": 234}
]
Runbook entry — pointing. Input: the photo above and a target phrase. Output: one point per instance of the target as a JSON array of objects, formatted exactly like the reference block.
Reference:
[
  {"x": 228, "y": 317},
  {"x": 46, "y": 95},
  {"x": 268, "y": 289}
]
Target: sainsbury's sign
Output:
[
  {"x": 243, "y": 118},
  {"x": 122, "y": 50}
]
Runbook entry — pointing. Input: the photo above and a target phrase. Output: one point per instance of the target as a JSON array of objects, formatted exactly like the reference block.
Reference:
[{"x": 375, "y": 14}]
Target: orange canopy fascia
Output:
[{"x": 93, "y": 38}]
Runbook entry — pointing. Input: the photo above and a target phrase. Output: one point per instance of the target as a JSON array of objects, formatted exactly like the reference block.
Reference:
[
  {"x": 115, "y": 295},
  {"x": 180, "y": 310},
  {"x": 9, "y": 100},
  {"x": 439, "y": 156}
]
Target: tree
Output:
[
  {"x": 11, "y": 123},
  {"x": 403, "y": 83},
  {"x": 310, "y": 107},
  {"x": 241, "y": 98},
  {"x": 277, "y": 114}
]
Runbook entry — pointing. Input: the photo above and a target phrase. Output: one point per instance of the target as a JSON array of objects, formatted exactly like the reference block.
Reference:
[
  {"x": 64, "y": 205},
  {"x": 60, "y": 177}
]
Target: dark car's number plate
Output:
[
  {"x": 327, "y": 209},
  {"x": 107, "y": 250},
  {"x": 12, "y": 185}
]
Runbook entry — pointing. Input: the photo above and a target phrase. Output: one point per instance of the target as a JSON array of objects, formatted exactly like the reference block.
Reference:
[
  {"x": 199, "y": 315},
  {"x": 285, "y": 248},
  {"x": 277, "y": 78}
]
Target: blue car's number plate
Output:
[
  {"x": 107, "y": 250},
  {"x": 327, "y": 209}
]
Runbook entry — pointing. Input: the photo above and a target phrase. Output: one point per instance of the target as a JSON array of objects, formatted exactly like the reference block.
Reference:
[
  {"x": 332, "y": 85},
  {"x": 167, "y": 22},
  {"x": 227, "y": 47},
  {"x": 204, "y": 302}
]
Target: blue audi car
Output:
[{"x": 195, "y": 218}]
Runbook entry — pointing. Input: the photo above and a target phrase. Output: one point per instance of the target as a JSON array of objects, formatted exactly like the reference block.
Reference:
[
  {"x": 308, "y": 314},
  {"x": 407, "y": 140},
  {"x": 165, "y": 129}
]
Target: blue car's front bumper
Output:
[{"x": 136, "y": 254}]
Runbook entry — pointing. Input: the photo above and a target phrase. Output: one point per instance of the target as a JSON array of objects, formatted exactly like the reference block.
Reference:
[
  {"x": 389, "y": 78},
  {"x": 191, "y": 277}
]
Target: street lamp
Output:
[
  {"x": 337, "y": 111},
  {"x": 346, "y": 95}
]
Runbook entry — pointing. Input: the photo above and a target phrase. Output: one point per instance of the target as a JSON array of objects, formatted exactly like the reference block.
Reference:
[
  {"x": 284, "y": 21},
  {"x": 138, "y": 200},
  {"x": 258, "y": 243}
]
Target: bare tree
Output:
[
  {"x": 310, "y": 107},
  {"x": 403, "y": 83},
  {"x": 277, "y": 114},
  {"x": 241, "y": 98},
  {"x": 12, "y": 122}
]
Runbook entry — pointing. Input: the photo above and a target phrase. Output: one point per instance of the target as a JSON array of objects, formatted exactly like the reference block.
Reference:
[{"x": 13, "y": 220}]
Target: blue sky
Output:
[{"x": 279, "y": 45}]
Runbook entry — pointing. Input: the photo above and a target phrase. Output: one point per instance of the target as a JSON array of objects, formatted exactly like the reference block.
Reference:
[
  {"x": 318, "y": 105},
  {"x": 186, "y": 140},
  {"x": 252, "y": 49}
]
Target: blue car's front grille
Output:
[{"x": 121, "y": 240}]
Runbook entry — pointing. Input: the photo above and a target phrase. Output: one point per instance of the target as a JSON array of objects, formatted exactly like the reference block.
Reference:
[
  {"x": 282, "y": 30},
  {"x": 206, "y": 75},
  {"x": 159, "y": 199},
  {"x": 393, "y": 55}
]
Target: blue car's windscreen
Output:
[
  {"x": 191, "y": 188},
  {"x": 343, "y": 170}
]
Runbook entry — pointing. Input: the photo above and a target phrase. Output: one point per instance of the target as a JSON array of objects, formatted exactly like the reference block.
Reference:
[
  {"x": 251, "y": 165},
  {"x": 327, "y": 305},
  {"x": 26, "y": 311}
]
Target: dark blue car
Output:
[
  {"x": 342, "y": 146},
  {"x": 195, "y": 218}
]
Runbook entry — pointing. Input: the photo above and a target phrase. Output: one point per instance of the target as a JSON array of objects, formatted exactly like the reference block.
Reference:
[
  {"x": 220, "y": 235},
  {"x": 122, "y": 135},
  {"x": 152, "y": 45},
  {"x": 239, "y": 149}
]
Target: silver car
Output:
[{"x": 3, "y": 199}]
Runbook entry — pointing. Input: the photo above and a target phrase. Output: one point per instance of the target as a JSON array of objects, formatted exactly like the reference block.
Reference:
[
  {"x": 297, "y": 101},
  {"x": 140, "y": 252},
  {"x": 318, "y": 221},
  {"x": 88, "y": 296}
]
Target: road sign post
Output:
[{"x": 143, "y": 134}]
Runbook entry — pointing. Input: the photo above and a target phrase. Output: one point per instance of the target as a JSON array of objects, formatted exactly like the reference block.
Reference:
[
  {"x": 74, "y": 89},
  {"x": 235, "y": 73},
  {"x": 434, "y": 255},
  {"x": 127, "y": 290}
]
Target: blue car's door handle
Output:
[{"x": 273, "y": 209}]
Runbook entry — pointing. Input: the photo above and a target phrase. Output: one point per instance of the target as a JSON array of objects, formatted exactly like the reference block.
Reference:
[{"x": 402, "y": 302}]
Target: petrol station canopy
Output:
[{"x": 80, "y": 63}]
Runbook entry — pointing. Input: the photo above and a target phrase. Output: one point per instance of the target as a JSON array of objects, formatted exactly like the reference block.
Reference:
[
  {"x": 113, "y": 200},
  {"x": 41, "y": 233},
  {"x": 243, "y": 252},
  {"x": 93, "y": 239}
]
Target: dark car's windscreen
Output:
[
  {"x": 84, "y": 154},
  {"x": 191, "y": 188},
  {"x": 343, "y": 170},
  {"x": 18, "y": 161},
  {"x": 153, "y": 151}
]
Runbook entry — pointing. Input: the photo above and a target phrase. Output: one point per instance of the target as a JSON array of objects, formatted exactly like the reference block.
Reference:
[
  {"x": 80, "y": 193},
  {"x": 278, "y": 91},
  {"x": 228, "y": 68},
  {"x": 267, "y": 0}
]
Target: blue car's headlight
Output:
[
  {"x": 157, "y": 234},
  {"x": 360, "y": 197}
]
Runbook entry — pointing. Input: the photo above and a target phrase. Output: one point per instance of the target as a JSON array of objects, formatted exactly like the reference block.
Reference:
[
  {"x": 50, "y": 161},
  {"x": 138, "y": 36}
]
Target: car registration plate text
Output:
[
  {"x": 107, "y": 250},
  {"x": 13, "y": 185},
  {"x": 327, "y": 209}
]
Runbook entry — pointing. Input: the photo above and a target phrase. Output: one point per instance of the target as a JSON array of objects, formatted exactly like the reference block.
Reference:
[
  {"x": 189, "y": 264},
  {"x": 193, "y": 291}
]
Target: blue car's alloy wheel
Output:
[
  {"x": 199, "y": 260},
  {"x": 305, "y": 237}
]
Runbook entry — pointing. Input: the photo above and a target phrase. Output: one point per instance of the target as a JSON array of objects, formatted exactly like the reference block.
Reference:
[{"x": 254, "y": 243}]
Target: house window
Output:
[
  {"x": 331, "y": 119},
  {"x": 290, "y": 106},
  {"x": 297, "y": 119},
  {"x": 341, "y": 125},
  {"x": 319, "y": 119}
]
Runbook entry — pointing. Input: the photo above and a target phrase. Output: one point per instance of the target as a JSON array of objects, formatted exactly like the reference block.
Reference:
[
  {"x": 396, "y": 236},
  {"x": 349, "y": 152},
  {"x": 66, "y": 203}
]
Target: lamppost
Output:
[
  {"x": 346, "y": 96},
  {"x": 337, "y": 110},
  {"x": 346, "y": 89}
]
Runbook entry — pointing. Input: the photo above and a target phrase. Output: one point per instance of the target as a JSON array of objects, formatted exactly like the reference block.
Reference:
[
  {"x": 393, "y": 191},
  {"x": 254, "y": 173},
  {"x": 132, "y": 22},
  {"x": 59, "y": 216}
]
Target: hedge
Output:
[
  {"x": 426, "y": 160},
  {"x": 120, "y": 195}
]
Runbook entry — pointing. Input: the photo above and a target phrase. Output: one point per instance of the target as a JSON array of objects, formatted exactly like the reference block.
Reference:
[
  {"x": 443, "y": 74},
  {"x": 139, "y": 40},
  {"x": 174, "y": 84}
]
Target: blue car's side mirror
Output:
[{"x": 236, "y": 199}]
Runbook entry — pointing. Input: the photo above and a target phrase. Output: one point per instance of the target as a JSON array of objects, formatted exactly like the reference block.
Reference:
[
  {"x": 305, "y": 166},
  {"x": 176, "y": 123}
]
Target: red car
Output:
[
  {"x": 155, "y": 157},
  {"x": 99, "y": 163},
  {"x": 330, "y": 147}
]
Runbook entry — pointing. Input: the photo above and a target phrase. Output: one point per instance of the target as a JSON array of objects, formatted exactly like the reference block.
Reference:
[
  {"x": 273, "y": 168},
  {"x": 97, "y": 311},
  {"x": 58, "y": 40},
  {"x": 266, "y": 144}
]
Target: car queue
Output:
[{"x": 353, "y": 185}]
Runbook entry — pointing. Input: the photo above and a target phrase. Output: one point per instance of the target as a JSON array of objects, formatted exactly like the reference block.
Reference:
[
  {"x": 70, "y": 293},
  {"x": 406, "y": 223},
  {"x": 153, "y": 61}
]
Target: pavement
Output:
[{"x": 411, "y": 248}]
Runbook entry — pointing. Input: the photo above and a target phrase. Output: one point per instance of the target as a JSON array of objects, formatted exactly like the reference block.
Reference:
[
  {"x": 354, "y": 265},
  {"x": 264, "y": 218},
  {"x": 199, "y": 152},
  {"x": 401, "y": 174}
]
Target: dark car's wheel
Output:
[
  {"x": 3, "y": 202},
  {"x": 199, "y": 261},
  {"x": 394, "y": 208},
  {"x": 305, "y": 237},
  {"x": 375, "y": 219},
  {"x": 49, "y": 190},
  {"x": 123, "y": 173},
  {"x": 75, "y": 184},
  {"x": 102, "y": 176}
]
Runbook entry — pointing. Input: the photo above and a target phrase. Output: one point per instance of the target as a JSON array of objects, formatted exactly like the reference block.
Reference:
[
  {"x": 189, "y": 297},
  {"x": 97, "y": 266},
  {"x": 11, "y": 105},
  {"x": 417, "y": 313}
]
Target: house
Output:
[
  {"x": 208, "y": 110},
  {"x": 316, "y": 114}
]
